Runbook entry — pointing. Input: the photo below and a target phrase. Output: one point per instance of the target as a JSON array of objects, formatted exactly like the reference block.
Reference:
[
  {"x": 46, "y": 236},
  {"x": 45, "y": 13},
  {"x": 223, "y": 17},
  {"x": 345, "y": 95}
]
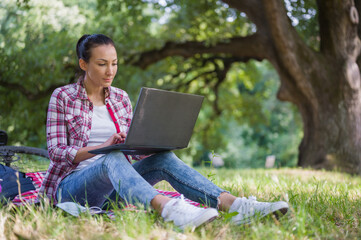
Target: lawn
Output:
[{"x": 323, "y": 205}]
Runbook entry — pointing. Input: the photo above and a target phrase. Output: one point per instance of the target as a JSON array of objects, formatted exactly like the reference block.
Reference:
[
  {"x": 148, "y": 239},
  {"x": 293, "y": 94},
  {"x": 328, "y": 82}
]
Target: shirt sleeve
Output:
[{"x": 57, "y": 135}]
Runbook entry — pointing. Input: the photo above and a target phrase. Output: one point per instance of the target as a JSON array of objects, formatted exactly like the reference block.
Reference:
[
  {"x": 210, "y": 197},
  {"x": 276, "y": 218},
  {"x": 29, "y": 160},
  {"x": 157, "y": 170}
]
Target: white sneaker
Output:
[
  {"x": 185, "y": 215},
  {"x": 248, "y": 208}
]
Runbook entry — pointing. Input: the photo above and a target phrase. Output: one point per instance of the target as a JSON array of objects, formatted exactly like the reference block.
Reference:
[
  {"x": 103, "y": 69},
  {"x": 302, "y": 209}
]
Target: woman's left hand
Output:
[{"x": 120, "y": 137}]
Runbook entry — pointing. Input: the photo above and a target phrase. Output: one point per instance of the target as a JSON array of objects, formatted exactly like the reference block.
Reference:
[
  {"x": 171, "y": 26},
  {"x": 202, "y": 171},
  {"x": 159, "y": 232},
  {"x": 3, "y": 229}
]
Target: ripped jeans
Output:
[{"x": 112, "y": 177}]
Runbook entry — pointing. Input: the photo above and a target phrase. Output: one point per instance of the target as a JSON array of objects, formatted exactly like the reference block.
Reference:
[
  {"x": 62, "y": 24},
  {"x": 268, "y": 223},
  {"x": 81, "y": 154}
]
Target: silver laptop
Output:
[{"x": 162, "y": 121}]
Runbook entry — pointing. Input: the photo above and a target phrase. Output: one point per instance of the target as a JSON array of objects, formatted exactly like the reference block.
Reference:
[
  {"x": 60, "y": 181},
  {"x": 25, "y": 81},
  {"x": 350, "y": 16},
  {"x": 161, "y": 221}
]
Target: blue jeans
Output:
[{"x": 112, "y": 177}]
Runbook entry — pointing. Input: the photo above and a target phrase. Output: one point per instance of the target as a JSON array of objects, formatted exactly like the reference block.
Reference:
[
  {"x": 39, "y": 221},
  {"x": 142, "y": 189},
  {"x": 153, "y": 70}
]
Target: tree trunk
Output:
[
  {"x": 334, "y": 140},
  {"x": 332, "y": 120},
  {"x": 324, "y": 85}
]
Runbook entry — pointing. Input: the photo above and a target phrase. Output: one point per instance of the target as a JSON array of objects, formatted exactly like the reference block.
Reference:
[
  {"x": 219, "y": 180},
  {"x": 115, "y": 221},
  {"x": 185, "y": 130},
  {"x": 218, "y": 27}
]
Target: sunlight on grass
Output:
[{"x": 323, "y": 205}]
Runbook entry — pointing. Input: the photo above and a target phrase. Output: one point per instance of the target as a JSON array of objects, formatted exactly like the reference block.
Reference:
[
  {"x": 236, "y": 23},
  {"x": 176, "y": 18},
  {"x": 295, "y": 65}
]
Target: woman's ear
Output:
[{"x": 83, "y": 65}]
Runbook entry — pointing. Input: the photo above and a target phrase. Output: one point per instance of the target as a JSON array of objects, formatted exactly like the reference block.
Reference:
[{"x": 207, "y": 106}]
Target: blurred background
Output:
[{"x": 241, "y": 123}]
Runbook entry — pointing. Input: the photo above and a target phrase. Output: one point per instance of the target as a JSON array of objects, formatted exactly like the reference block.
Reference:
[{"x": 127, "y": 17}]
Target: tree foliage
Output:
[
  {"x": 240, "y": 119},
  {"x": 36, "y": 55}
]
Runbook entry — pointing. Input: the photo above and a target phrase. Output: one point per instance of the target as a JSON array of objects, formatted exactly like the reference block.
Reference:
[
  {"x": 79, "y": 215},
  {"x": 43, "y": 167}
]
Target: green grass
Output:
[{"x": 323, "y": 205}]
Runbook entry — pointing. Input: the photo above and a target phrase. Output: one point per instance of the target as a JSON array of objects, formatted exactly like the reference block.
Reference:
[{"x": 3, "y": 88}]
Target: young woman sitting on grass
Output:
[{"x": 91, "y": 114}]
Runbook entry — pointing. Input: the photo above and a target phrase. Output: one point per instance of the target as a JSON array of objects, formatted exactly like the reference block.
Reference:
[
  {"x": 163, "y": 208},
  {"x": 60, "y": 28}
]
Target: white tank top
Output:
[{"x": 102, "y": 128}]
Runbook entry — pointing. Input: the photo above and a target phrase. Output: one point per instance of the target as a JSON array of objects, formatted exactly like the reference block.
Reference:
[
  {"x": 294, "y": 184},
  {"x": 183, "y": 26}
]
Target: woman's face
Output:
[{"x": 102, "y": 66}]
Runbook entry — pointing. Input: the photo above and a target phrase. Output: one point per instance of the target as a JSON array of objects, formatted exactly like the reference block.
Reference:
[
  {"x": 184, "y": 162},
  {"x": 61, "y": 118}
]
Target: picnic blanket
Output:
[{"x": 31, "y": 197}]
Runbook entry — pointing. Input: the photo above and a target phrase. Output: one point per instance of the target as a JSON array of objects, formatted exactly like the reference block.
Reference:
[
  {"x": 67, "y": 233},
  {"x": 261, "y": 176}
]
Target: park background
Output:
[
  {"x": 241, "y": 119},
  {"x": 186, "y": 45}
]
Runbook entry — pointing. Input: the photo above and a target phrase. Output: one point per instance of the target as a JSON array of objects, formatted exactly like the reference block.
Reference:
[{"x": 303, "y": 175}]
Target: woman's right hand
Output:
[
  {"x": 83, "y": 153},
  {"x": 114, "y": 139}
]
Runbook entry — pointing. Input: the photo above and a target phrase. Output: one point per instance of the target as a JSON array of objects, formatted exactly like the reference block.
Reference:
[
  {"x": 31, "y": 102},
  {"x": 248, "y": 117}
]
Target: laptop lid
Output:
[{"x": 163, "y": 119}]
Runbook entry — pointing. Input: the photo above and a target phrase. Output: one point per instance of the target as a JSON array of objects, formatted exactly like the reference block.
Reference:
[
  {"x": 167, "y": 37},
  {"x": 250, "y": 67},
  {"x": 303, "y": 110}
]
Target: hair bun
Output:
[{"x": 80, "y": 45}]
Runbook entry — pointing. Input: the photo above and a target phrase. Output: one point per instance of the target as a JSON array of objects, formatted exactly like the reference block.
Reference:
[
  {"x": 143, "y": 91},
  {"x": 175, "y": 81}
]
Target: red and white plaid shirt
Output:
[{"x": 68, "y": 128}]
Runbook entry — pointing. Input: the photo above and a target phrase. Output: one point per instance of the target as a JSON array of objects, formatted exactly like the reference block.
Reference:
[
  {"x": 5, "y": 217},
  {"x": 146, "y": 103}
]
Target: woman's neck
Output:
[{"x": 96, "y": 95}]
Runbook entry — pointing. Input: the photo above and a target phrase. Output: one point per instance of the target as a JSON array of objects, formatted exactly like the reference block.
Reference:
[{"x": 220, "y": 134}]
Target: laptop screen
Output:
[{"x": 163, "y": 118}]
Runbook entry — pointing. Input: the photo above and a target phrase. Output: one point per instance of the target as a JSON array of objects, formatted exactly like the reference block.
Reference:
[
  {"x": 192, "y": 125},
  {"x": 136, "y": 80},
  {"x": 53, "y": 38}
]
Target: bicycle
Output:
[{"x": 9, "y": 154}]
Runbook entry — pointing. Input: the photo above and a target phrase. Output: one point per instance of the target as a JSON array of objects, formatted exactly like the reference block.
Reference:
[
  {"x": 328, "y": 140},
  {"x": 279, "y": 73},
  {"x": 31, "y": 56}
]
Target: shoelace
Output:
[
  {"x": 248, "y": 205},
  {"x": 95, "y": 210},
  {"x": 183, "y": 206}
]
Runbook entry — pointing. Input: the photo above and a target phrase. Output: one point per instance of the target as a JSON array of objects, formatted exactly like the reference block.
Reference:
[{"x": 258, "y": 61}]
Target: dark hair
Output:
[{"x": 87, "y": 42}]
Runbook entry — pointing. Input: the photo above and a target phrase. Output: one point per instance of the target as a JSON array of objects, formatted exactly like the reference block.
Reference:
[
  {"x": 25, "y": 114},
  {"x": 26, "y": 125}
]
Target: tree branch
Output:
[
  {"x": 252, "y": 8},
  {"x": 292, "y": 53},
  {"x": 227, "y": 61},
  {"x": 286, "y": 40},
  {"x": 253, "y": 46},
  {"x": 33, "y": 95},
  {"x": 221, "y": 77},
  {"x": 221, "y": 74},
  {"x": 29, "y": 94}
]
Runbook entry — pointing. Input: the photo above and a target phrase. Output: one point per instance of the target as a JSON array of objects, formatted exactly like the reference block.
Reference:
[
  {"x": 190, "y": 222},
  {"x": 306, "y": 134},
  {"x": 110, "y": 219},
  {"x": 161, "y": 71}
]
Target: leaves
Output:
[
  {"x": 240, "y": 118},
  {"x": 35, "y": 58}
]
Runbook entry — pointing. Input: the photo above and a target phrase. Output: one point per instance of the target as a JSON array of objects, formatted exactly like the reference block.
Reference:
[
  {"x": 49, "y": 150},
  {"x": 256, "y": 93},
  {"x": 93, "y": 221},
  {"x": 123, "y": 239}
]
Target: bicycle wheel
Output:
[{"x": 7, "y": 153}]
